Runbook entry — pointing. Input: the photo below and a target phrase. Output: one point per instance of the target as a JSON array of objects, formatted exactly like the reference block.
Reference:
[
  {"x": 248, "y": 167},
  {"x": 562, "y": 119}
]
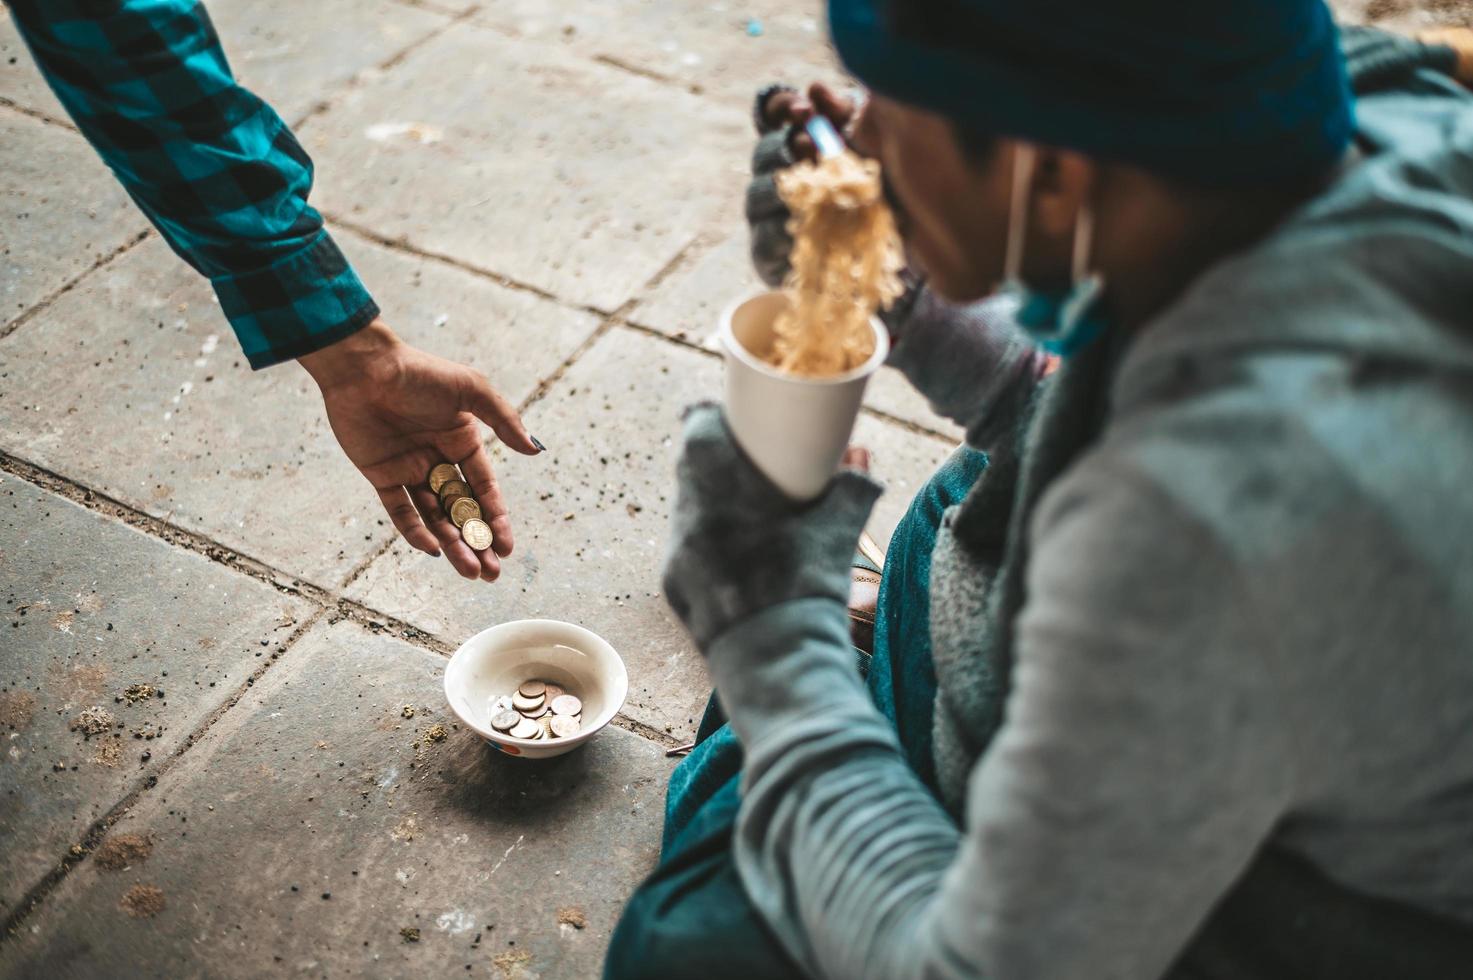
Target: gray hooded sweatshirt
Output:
[{"x": 1247, "y": 620}]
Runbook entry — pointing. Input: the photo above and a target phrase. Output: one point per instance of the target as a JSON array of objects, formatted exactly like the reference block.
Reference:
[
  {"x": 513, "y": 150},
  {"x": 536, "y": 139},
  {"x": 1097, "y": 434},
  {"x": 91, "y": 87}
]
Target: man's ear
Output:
[{"x": 1063, "y": 182}]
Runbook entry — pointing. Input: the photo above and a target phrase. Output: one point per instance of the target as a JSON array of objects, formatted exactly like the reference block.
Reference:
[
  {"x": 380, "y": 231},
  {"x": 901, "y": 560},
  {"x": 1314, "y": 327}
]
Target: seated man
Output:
[{"x": 1183, "y": 685}]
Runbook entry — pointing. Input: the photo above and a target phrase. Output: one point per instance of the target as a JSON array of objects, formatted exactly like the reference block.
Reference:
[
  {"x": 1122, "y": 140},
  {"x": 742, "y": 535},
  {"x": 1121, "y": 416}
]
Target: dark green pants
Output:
[{"x": 691, "y": 918}]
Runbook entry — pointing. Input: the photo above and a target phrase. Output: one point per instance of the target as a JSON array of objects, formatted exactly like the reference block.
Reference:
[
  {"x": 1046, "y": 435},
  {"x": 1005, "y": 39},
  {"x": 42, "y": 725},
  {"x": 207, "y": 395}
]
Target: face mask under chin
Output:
[{"x": 1061, "y": 321}]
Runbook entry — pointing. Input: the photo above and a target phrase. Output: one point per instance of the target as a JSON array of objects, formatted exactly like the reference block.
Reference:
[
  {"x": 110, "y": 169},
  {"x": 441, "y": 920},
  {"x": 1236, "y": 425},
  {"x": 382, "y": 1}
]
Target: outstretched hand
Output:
[{"x": 398, "y": 411}]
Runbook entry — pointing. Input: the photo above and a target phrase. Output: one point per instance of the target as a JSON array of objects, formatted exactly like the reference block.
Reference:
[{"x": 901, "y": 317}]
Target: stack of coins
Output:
[
  {"x": 460, "y": 505},
  {"x": 538, "y": 711}
]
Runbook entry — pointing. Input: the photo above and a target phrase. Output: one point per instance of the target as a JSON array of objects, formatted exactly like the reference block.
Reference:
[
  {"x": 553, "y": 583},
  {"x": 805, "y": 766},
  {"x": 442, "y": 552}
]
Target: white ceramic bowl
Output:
[{"x": 497, "y": 660}]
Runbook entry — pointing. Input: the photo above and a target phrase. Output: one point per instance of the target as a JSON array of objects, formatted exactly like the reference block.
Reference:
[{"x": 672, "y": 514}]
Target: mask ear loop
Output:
[
  {"x": 1084, "y": 235},
  {"x": 1023, "y": 156}
]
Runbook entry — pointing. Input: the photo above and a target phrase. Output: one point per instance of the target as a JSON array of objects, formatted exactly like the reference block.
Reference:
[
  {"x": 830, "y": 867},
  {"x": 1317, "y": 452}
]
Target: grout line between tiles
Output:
[
  {"x": 403, "y": 247},
  {"x": 97, "y": 831},
  {"x": 38, "y": 115},
  {"x": 453, "y": 18},
  {"x": 45, "y": 302}
]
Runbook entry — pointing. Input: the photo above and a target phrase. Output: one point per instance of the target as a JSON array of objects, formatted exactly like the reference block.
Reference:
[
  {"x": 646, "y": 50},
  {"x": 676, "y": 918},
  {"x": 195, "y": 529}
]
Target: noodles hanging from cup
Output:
[{"x": 846, "y": 264}]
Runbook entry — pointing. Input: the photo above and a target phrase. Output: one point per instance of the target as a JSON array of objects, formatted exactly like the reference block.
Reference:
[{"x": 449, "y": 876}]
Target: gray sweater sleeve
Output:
[
  {"x": 972, "y": 362},
  {"x": 1142, "y": 763}
]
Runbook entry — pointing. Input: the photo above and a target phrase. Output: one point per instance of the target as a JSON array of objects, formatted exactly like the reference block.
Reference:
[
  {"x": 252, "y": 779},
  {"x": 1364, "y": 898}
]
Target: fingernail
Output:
[{"x": 538, "y": 443}]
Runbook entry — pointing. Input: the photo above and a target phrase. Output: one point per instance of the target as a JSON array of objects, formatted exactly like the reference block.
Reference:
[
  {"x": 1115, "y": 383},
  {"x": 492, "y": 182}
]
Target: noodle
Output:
[{"x": 846, "y": 264}]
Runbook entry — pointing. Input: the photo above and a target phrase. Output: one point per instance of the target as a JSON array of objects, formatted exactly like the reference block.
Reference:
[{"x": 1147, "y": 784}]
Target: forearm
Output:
[
  {"x": 211, "y": 165},
  {"x": 839, "y": 845},
  {"x": 972, "y": 362}
]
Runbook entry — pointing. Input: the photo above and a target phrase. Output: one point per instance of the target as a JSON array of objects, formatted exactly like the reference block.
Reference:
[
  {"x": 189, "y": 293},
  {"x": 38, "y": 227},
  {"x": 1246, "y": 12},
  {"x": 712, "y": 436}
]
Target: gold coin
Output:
[
  {"x": 462, "y": 509},
  {"x": 442, "y": 474},
  {"x": 476, "y": 533},
  {"x": 451, "y": 489},
  {"x": 545, "y": 723}
]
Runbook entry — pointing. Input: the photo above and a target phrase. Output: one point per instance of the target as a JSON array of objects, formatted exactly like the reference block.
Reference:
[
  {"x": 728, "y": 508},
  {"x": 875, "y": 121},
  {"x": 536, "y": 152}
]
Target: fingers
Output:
[
  {"x": 487, "y": 404},
  {"x": 482, "y": 479},
  {"x": 462, "y": 558},
  {"x": 838, "y": 108},
  {"x": 406, "y": 519},
  {"x": 774, "y": 111},
  {"x": 856, "y": 458}
]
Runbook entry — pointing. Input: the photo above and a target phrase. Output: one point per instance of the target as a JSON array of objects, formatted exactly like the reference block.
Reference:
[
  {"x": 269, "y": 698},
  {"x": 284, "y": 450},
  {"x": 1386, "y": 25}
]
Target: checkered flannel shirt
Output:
[{"x": 211, "y": 165}]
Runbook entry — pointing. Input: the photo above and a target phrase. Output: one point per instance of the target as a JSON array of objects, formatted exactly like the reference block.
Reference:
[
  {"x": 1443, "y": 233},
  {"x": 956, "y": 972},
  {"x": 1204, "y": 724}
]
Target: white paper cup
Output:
[{"x": 794, "y": 429}]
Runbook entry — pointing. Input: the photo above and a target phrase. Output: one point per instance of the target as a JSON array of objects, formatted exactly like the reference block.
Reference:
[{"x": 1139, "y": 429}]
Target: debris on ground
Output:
[
  {"x": 407, "y": 711},
  {"x": 143, "y": 901},
  {"x": 16, "y": 709},
  {"x": 511, "y": 962},
  {"x": 573, "y": 915},
  {"x": 134, "y": 693},
  {"x": 122, "y": 851},
  {"x": 109, "y": 752},
  {"x": 436, "y": 733},
  {"x": 93, "y": 721},
  {"x": 407, "y": 830},
  {"x": 409, "y": 934}
]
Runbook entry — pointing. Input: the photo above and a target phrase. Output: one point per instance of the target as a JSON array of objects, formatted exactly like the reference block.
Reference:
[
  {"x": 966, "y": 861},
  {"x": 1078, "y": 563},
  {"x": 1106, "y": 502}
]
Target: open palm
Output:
[{"x": 406, "y": 411}]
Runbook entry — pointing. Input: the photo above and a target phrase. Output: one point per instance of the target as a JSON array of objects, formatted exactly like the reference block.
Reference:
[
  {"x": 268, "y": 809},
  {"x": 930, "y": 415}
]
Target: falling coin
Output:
[
  {"x": 523, "y": 703},
  {"x": 442, "y": 474},
  {"x": 532, "y": 689},
  {"x": 566, "y": 705},
  {"x": 564, "y": 726},
  {"x": 451, "y": 489},
  {"x": 476, "y": 533},
  {"x": 463, "y": 509},
  {"x": 505, "y": 721},
  {"x": 525, "y": 728}
]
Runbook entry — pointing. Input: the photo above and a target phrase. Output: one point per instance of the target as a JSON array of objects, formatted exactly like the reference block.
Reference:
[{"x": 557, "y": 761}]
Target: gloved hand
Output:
[
  {"x": 962, "y": 358},
  {"x": 738, "y": 546},
  {"x": 767, "y": 215}
]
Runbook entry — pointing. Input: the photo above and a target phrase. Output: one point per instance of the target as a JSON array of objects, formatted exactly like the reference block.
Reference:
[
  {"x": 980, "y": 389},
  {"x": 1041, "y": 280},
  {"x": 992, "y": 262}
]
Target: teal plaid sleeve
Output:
[{"x": 211, "y": 165}]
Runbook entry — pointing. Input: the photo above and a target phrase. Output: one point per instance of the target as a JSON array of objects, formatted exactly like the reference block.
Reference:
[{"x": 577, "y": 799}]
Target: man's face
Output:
[{"x": 951, "y": 207}]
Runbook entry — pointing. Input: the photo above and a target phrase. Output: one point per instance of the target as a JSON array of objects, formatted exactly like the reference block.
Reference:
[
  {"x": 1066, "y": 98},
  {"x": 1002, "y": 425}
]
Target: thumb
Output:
[{"x": 488, "y": 405}]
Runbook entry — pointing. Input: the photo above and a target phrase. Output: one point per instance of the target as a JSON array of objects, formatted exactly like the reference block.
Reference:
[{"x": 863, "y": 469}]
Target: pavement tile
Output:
[
  {"x": 20, "y": 81},
  {"x": 62, "y": 211},
  {"x": 591, "y": 519},
  {"x": 292, "y": 54},
  {"x": 525, "y": 160},
  {"x": 726, "y": 50},
  {"x": 688, "y": 304},
  {"x": 296, "y": 54},
  {"x": 133, "y": 384},
  {"x": 76, "y": 634},
  {"x": 315, "y": 785}
]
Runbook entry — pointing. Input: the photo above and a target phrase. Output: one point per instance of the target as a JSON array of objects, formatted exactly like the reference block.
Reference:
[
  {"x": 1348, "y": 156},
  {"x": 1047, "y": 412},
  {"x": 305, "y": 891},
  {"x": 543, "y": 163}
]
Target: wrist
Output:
[{"x": 361, "y": 356}]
